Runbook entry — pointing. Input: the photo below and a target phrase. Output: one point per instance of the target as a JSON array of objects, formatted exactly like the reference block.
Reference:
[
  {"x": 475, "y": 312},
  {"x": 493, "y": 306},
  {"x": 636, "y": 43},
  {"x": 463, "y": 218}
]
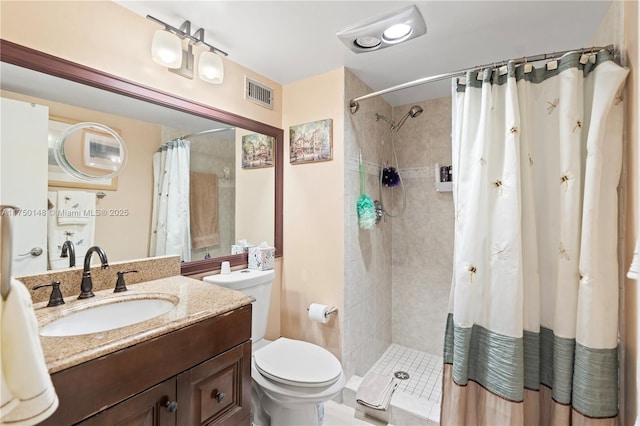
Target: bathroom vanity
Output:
[{"x": 190, "y": 366}]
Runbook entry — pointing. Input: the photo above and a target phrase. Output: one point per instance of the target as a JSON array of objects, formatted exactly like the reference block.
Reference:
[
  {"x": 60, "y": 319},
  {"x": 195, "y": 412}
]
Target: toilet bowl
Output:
[{"x": 291, "y": 379}]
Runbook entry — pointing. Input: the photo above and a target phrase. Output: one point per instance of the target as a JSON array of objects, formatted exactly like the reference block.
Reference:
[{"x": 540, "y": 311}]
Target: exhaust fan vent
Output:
[{"x": 258, "y": 92}]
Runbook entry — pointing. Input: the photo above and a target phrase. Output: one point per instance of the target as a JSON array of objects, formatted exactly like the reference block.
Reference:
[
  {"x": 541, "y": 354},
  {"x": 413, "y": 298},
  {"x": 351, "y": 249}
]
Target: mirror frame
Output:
[{"x": 36, "y": 60}]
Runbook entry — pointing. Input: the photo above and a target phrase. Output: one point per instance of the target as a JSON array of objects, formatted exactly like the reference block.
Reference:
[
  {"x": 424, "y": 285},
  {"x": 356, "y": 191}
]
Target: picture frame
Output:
[
  {"x": 257, "y": 151},
  {"x": 100, "y": 150},
  {"x": 311, "y": 142},
  {"x": 58, "y": 177}
]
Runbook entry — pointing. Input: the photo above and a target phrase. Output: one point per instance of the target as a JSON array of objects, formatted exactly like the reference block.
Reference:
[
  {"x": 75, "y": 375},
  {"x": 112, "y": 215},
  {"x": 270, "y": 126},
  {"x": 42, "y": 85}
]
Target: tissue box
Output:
[
  {"x": 237, "y": 249},
  {"x": 261, "y": 258}
]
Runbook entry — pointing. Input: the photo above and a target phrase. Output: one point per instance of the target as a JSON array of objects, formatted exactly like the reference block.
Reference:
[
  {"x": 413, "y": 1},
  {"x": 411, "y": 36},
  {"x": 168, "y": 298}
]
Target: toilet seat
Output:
[{"x": 297, "y": 363}]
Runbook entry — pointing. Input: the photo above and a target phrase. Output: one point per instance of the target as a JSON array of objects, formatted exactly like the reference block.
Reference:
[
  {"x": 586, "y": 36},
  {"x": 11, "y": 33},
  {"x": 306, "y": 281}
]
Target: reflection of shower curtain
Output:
[
  {"x": 170, "y": 219},
  {"x": 532, "y": 331}
]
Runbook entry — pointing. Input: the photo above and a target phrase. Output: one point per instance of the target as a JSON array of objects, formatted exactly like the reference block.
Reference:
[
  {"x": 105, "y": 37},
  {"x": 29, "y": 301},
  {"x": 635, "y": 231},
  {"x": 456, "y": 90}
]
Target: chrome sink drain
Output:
[{"x": 402, "y": 375}]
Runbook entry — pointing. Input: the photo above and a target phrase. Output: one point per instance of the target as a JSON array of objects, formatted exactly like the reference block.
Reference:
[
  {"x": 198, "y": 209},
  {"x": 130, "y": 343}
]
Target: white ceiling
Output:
[{"x": 287, "y": 41}]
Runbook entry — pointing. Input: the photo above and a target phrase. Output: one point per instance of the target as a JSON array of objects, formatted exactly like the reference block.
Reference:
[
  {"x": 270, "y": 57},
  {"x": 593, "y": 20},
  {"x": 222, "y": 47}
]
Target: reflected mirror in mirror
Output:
[
  {"x": 240, "y": 203},
  {"x": 90, "y": 151}
]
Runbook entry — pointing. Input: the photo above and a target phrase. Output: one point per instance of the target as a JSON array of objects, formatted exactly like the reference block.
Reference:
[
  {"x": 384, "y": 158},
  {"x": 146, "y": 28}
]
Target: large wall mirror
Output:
[{"x": 247, "y": 201}]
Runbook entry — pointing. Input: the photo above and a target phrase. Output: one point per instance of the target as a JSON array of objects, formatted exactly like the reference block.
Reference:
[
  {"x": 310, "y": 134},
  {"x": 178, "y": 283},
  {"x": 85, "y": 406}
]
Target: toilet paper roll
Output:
[{"x": 318, "y": 312}]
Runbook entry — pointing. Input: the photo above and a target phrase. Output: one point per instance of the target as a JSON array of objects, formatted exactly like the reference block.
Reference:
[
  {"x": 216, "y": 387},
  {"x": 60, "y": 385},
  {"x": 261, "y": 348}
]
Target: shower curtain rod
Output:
[
  {"x": 354, "y": 103},
  {"x": 206, "y": 132}
]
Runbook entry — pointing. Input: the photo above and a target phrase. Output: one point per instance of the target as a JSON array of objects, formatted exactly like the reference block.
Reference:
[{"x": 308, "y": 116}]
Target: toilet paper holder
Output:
[{"x": 331, "y": 311}]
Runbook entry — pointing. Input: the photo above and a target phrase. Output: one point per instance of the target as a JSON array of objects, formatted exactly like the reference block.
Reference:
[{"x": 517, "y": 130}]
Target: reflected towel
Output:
[
  {"x": 375, "y": 391},
  {"x": 82, "y": 236},
  {"x": 28, "y": 396},
  {"x": 203, "y": 202},
  {"x": 74, "y": 207}
]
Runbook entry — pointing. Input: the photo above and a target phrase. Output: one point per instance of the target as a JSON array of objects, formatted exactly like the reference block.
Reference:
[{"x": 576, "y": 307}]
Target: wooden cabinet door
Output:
[
  {"x": 153, "y": 407},
  {"x": 217, "y": 391}
]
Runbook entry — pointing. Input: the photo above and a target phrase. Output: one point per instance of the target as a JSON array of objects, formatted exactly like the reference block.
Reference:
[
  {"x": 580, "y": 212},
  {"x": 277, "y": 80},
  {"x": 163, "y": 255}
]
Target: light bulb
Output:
[
  {"x": 396, "y": 33},
  {"x": 166, "y": 49},
  {"x": 210, "y": 68}
]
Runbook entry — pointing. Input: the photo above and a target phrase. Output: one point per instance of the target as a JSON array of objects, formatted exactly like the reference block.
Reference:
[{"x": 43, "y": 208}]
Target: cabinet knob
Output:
[
  {"x": 171, "y": 406},
  {"x": 220, "y": 396}
]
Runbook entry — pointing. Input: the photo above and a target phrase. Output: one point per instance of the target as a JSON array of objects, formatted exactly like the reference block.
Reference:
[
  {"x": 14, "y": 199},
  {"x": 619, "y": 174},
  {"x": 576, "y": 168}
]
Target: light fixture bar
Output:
[{"x": 184, "y": 32}]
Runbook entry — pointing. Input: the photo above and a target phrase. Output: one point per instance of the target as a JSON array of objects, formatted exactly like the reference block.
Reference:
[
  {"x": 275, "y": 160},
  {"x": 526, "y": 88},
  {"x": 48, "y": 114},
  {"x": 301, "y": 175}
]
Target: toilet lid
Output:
[{"x": 297, "y": 363}]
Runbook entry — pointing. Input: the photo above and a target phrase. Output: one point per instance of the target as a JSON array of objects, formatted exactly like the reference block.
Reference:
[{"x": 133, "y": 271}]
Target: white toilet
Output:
[{"x": 291, "y": 379}]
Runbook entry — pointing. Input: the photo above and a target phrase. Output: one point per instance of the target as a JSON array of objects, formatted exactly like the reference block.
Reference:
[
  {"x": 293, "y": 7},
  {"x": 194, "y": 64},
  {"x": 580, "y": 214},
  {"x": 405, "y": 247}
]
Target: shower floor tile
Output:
[{"x": 424, "y": 370}]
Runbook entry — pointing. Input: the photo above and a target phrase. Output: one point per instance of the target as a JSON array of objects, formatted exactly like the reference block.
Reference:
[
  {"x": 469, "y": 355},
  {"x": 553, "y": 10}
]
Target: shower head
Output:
[{"x": 413, "y": 112}]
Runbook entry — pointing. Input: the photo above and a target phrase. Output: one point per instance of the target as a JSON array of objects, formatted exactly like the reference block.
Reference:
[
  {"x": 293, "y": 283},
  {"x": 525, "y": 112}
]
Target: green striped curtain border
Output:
[{"x": 580, "y": 376}]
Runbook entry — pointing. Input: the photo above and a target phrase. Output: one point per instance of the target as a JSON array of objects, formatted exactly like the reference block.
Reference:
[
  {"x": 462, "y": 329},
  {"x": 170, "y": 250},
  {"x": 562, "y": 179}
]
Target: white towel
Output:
[
  {"x": 375, "y": 391},
  {"x": 634, "y": 268},
  {"x": 74, "y": 207},
  {"x": 28, "y": 396},
  {"x": 82, "y": 236}
]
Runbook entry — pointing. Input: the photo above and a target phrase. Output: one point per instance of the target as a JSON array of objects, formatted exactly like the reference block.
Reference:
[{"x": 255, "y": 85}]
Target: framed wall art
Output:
[{"x": 311, "y": 142}]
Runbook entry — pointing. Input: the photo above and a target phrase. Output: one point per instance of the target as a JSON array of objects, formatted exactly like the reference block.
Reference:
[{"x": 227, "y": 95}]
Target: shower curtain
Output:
[
  {"x": 531, "y": 335},
  {"x": 171, "y": 234}
]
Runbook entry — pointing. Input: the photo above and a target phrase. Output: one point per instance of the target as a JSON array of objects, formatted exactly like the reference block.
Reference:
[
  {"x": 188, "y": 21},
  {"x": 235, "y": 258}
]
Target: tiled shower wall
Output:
[
  {"x": 367, "y": 293},
  {"x": 398, "y": 275},
  {"x": 423, "y": 236}
]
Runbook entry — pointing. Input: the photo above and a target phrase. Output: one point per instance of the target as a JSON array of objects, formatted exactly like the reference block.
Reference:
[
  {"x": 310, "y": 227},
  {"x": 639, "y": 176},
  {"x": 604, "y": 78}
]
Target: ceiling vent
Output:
[{"x": 258, "y": 92}]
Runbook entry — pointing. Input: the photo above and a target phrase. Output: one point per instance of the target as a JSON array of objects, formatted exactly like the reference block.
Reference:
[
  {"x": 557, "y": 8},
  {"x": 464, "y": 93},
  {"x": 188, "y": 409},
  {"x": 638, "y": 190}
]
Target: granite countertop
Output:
[{"x": 196, "y": 301}]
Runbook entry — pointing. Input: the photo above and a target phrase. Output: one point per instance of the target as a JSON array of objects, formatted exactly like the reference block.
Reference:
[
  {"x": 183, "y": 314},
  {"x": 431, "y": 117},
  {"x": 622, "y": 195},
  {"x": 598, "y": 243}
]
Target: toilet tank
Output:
[{"x": 253, "y": 283}]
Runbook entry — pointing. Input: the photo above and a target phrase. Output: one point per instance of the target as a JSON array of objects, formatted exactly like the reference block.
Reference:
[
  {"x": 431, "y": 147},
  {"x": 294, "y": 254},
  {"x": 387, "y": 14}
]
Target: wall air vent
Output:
[{"x": 258, "y": 92}]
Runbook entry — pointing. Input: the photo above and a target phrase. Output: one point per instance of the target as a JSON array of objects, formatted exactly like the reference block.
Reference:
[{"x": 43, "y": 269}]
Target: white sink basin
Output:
[{"x": 106, "y": 317}]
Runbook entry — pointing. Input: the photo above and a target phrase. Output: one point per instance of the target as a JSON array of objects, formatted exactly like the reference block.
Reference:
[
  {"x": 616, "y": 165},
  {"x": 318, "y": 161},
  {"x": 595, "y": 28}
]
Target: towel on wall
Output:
[
  {"x": 28, "y": 396},
  {"x": 82, "y": 236},
  {"x": 376, "y": 390},
  {"x": 74, "y": 207},
  {"x": 203, "y": 202}
]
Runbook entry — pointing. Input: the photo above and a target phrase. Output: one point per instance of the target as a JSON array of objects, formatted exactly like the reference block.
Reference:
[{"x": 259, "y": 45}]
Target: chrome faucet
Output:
[
  {"x": 68, "y": 246},
  {"x": 87, "y": 285}
]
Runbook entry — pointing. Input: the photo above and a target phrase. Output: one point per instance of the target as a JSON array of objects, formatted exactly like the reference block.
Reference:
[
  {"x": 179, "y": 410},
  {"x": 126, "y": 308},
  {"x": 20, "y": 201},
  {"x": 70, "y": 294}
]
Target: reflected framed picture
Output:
[
  {"x": 101, "y": 150},
  {"x": 311, "y": 142},
  {"x": 58, "y": 177},
  {"x": 257, "y": 151}
]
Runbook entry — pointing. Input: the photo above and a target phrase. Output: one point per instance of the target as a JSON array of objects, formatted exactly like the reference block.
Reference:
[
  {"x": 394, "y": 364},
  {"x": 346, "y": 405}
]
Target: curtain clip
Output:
[{"x": 527, "y": 66}]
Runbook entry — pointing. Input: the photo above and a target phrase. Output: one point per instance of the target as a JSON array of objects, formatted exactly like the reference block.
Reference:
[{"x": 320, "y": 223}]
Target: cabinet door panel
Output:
[
  {"x": 23, "y": 180},
  {"x": 145, "y": 409},
  {"x": 218, "y": 391}
]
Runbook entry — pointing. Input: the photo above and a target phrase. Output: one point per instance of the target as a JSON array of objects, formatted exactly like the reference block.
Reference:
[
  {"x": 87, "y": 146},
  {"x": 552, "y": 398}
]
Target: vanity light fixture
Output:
[
  {"x": 167, "y": 50},
  {"x": 384, "y": 31}
]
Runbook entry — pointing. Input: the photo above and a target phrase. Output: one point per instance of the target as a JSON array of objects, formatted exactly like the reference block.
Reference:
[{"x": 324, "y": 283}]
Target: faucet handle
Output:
[
  {"x": 120, "y": 284},
  {"x": 55, "y": 299}
]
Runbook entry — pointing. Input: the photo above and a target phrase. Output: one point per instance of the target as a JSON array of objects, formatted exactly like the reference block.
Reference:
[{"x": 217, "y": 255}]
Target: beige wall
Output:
[
  {"x": 313, "y": 268},
  {"x": 254, "y": 187}
]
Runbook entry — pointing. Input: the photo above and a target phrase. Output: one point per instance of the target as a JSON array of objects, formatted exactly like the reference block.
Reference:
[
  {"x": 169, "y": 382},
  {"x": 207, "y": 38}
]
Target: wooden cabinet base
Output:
[{"x": 213, "y": 355}]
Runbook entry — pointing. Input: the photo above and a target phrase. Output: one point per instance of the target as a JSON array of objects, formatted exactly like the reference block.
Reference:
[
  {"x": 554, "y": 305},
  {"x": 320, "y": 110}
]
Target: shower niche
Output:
[{"x": 444, "y": 178}]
